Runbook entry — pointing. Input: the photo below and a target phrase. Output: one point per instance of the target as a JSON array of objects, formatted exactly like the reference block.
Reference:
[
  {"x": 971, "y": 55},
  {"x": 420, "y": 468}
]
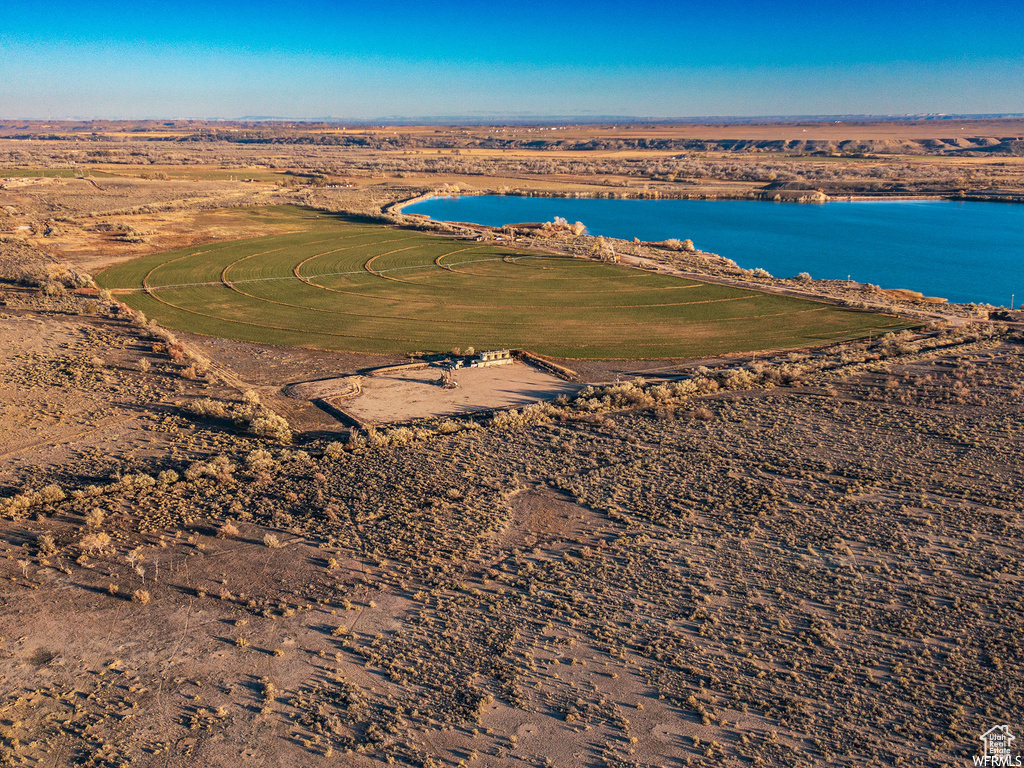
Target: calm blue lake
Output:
[{"x": 962, "y": 251}]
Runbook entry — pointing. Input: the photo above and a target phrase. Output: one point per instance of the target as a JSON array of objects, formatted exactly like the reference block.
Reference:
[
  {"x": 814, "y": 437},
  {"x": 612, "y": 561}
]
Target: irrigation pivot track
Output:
[{"x": 337, "y": 284}]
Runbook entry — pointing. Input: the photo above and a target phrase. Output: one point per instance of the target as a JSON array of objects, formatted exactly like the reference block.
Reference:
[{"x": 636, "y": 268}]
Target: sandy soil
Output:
[
  {"x": 269, "y": 369},
  {"x": 771, "y": 583},
  {"x": 415, "y": 394},
  {"x": 72, "y": 394},
  {"x": 181, "y": 216}
]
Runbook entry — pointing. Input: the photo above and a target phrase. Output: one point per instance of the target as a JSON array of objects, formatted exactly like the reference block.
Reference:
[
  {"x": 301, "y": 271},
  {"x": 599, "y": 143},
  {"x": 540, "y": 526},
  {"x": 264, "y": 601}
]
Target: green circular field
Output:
[{"x": 335, "y": 284}]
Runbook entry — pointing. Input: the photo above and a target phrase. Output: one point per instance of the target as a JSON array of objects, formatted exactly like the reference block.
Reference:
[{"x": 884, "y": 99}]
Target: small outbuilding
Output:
[{"x": 491, "y": 357}]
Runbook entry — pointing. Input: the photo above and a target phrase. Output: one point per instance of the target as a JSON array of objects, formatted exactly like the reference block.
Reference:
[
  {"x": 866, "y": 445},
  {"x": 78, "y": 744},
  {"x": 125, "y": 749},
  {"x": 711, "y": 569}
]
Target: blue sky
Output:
[{"x": 223, "y": 58}]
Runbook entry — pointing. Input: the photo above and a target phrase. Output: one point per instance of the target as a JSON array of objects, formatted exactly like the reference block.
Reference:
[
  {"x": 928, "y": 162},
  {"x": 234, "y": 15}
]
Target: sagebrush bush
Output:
[
  {"x": 269, "y": 425},
  {"x": 94, "y": 542},
  {"x": 208, "y": 407},
  {"x": 220, "y": 468},
  {"x": 334, "y": 450},
  {"x": 260, "y": 460},
  {"x": 167, "y": 477},
  {"x": 94, "y": 518}
]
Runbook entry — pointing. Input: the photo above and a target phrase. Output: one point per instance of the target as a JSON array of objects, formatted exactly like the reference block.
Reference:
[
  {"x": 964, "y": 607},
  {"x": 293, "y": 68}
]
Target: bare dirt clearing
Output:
[{"x": 415, "y": 394}]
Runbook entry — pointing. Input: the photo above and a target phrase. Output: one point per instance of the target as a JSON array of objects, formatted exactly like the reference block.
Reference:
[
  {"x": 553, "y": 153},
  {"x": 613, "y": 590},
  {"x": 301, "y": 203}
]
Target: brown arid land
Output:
[{"x": 791, "y": 558}]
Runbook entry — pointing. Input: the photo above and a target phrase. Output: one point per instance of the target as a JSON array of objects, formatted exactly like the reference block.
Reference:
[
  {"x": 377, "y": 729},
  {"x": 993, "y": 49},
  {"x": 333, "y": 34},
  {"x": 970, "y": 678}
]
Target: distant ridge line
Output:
[
  {"x": 631, "y": 119},
  {"x": 522, "y": 119}
]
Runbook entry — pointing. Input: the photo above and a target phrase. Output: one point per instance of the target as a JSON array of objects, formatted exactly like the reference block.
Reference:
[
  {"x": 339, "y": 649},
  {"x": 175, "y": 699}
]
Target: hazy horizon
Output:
[{"x": 528, "y": 119}]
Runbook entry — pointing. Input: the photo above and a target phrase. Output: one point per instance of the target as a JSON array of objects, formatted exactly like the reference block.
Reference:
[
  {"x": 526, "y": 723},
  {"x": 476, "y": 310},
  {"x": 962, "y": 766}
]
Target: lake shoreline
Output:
[
  {"x": 803, "y": 196},
  {"x": 967, "y": 259}
]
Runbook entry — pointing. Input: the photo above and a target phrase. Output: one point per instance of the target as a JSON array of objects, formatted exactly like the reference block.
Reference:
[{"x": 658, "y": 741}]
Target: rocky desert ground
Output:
[{"x": 800, "y": 558}]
